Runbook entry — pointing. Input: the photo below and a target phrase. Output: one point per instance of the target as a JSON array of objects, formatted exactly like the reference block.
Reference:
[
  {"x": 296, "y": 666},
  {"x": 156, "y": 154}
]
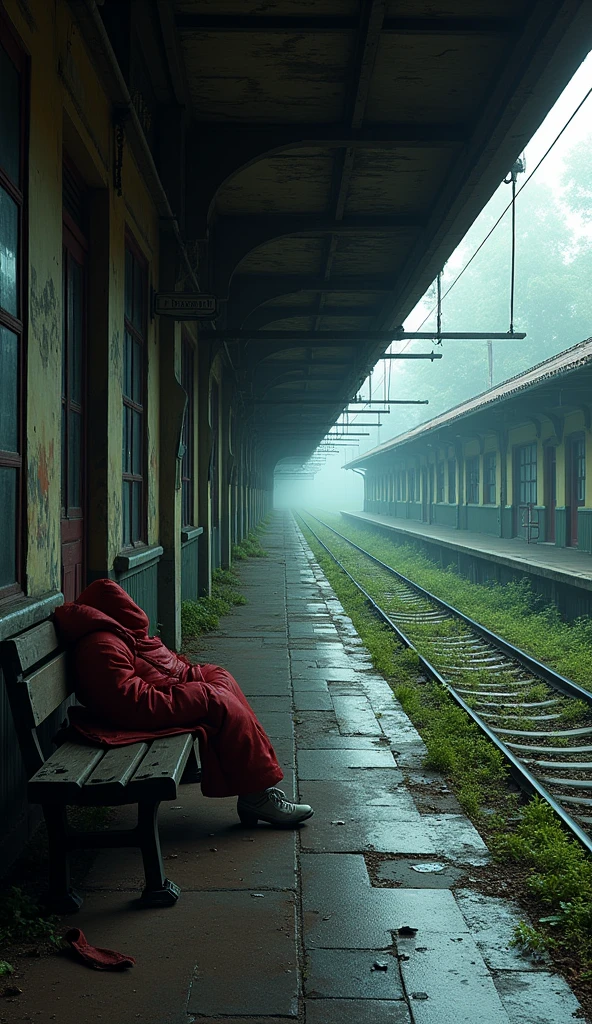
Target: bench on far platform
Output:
[{"x": 38, "y": 680}]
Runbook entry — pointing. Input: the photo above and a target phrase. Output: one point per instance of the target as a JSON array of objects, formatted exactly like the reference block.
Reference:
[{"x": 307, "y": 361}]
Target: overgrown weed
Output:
[
  {"x": 23, "y": 920},
  {"x": 513, "y": 610},
  {"x": 203, "y": 615}
]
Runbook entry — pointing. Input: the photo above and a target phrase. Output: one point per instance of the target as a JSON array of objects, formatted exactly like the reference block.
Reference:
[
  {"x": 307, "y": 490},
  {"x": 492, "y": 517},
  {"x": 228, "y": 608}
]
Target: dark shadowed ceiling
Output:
[{"x": 338, "y": 151}]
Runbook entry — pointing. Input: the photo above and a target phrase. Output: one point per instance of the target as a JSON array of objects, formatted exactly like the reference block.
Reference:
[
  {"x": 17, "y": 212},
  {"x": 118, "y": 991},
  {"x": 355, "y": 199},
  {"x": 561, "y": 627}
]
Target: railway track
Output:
[{"x": 541, "y": 721}]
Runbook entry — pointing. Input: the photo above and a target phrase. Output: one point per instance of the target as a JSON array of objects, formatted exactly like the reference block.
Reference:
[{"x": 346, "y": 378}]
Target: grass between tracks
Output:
[
  {"x": 511, "y": 609},
  {"x": 557, "y": 871}
]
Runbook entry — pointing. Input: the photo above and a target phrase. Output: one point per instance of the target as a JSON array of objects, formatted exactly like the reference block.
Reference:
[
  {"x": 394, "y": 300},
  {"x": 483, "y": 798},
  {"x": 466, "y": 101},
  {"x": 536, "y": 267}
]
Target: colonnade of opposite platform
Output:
[{"x": 515, "y": 461}]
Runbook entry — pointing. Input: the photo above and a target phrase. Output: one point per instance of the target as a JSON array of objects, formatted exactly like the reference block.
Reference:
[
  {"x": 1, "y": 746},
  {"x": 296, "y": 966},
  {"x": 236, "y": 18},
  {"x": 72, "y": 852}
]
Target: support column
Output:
[
  {"x": 228, "y": 461},
  {"x": 172, "y": 409},
  {"x": 204, "y": 455},
  {"x": 103, "y": 473}
]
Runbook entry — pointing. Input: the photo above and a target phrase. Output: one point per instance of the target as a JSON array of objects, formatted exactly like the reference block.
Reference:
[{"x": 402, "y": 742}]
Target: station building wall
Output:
[
  {"x": 483, "y": 482},
  {"x": 117, "y": 454}
]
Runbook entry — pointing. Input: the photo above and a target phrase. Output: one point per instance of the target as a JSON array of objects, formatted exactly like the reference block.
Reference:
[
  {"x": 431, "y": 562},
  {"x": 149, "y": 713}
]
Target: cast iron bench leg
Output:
[
  {"x": 159, "y": 890},
  {"x": 61, "y": 898}
]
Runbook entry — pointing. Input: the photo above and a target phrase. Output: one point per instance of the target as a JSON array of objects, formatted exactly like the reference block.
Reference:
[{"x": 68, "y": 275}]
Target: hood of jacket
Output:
[{"x": 103, "y": 606}]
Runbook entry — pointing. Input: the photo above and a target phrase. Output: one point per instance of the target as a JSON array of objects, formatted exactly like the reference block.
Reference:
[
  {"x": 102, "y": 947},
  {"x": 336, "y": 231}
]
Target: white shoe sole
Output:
[{"x": 249, "y": 819}]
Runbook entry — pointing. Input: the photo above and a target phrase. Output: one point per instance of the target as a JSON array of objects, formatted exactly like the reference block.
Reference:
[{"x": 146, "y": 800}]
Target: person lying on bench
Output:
[{"x": 134, "y": 689}]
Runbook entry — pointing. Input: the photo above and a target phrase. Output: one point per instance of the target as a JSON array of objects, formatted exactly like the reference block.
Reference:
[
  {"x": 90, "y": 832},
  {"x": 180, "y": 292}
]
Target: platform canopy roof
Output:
[{"x": 338, "y": 152}]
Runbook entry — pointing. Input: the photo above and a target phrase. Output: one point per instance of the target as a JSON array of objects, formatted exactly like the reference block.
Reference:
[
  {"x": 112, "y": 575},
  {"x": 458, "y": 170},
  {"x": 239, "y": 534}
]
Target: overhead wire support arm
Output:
[
  {"x": 389, "y": 401},
  {"x": 412, "y": 355},
  {"x": 343, "y": 337}
]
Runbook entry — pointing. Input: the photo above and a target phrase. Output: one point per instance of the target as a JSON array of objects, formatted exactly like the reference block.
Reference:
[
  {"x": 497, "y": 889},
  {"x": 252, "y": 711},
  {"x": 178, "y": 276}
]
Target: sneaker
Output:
[{"x": 272, "y": 806}]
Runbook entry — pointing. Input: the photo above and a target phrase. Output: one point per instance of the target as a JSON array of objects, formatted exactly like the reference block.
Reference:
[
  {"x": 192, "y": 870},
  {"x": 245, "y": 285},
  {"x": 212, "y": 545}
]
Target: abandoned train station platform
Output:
[
  {"x": 215, "y": 215},
  {"x": 351, "y": 919}
]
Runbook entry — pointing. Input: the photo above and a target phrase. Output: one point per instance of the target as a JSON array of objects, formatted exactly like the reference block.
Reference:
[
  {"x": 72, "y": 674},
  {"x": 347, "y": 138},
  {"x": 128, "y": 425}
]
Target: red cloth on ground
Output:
[
  {"x": 134, "y": 688},
  {"x": 95, "y": 956}
]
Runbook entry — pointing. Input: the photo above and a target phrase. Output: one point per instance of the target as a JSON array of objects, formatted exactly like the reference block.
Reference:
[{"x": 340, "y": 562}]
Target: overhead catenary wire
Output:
[
  {"x": 512, "y": 201},
  {"x": 515, "y": 193}
]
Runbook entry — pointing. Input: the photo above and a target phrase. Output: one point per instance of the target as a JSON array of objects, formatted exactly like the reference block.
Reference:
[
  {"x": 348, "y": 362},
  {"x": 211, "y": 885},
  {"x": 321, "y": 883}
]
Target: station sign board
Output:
[{"x": 186, "y": 305}]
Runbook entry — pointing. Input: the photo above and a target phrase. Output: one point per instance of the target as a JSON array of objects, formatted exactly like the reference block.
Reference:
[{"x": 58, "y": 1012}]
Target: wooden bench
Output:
[{"x": 36, "y": 672}]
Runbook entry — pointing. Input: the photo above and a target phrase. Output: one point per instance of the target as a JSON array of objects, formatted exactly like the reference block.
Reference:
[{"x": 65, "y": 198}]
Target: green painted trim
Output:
[
  {"x": 191, "y": 533},
  {"x": 585, "y": 529},
  {"x": 445, "y": 514},
  {"x": 560, "y": 526},
  {"x": 483, "y": 519},
  {"x": 190, "y": 570},
  {"x": 134, "y": 559},
  {"x": 507, "y": 521}
]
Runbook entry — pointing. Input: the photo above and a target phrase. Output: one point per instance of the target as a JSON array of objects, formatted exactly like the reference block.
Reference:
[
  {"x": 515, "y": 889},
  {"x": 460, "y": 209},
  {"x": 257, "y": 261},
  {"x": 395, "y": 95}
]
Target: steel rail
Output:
[{"x": 525, "y": 779}]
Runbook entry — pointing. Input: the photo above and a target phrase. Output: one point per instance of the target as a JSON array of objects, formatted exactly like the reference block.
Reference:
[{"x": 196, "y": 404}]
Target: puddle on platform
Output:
[{"x": 413, "y": 873}]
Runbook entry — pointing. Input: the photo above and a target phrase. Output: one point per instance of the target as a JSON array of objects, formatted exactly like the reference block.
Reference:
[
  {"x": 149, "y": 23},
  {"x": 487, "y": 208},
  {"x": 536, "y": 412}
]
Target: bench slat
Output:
[
  {"x": 112, "y": 774},
  {"x": 62, "y": 777},
  {"x": 161, "y": 769},
  {"x": 33, "y": 646},
  {"x": 47, "y": 688}
]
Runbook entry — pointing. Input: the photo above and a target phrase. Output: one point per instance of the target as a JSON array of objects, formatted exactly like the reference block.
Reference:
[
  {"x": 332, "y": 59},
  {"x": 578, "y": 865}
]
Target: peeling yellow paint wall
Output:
[
  {"x": 44, "y": 334},
  {"x": 70, "y": 114}
]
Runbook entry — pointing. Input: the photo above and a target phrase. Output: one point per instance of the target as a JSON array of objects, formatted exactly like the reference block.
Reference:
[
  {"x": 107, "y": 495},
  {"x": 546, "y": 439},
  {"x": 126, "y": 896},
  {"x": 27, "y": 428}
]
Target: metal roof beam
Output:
[
  {"x": 234, "y": 238},
  {"x": 471, "y": 25},
  {"x": 287, "y": 365},
  {"x": 305, "y": 338},
  {"x": 353, "y": 337},
  {"x": 367, "y": 38},
  {"x": 249, "y": 291},
  {"x": 216, "y": 152},
  {"x": 307, "y": 400},
  {"x": 272, "y": 314}
]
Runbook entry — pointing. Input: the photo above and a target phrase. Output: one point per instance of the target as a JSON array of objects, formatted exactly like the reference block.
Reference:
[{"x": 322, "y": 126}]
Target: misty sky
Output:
[{"x": 332, "y": 487}]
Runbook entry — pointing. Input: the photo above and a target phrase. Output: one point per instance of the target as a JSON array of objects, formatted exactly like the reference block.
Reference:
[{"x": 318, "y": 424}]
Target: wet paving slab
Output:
[
  {"x": 352, "y": 974},
  {"x": 356, "y": 1011}
]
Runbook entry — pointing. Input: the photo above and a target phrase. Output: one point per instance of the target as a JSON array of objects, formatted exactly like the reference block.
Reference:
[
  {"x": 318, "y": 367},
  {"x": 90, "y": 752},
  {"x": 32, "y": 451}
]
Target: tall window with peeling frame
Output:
[
  {"x": 12, "y": 213},
  {"x": 489, "y": 478},
  {"x": 472, "y": 471},
  {"x": 134, "y": 398}
]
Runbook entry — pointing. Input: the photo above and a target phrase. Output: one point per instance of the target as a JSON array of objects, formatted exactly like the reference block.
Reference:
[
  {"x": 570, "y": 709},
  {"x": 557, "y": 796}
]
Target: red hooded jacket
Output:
[{"x": 134, "y": 688}]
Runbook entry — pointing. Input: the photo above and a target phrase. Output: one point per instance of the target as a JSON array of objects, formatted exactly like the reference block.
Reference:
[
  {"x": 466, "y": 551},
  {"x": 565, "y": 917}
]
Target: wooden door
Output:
[
  {"x": 73, "y": 413},
  {"x": 550, "y": 492},
  {"x": 576, "y": 483},
  {"x": 525, "y": 486}
]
